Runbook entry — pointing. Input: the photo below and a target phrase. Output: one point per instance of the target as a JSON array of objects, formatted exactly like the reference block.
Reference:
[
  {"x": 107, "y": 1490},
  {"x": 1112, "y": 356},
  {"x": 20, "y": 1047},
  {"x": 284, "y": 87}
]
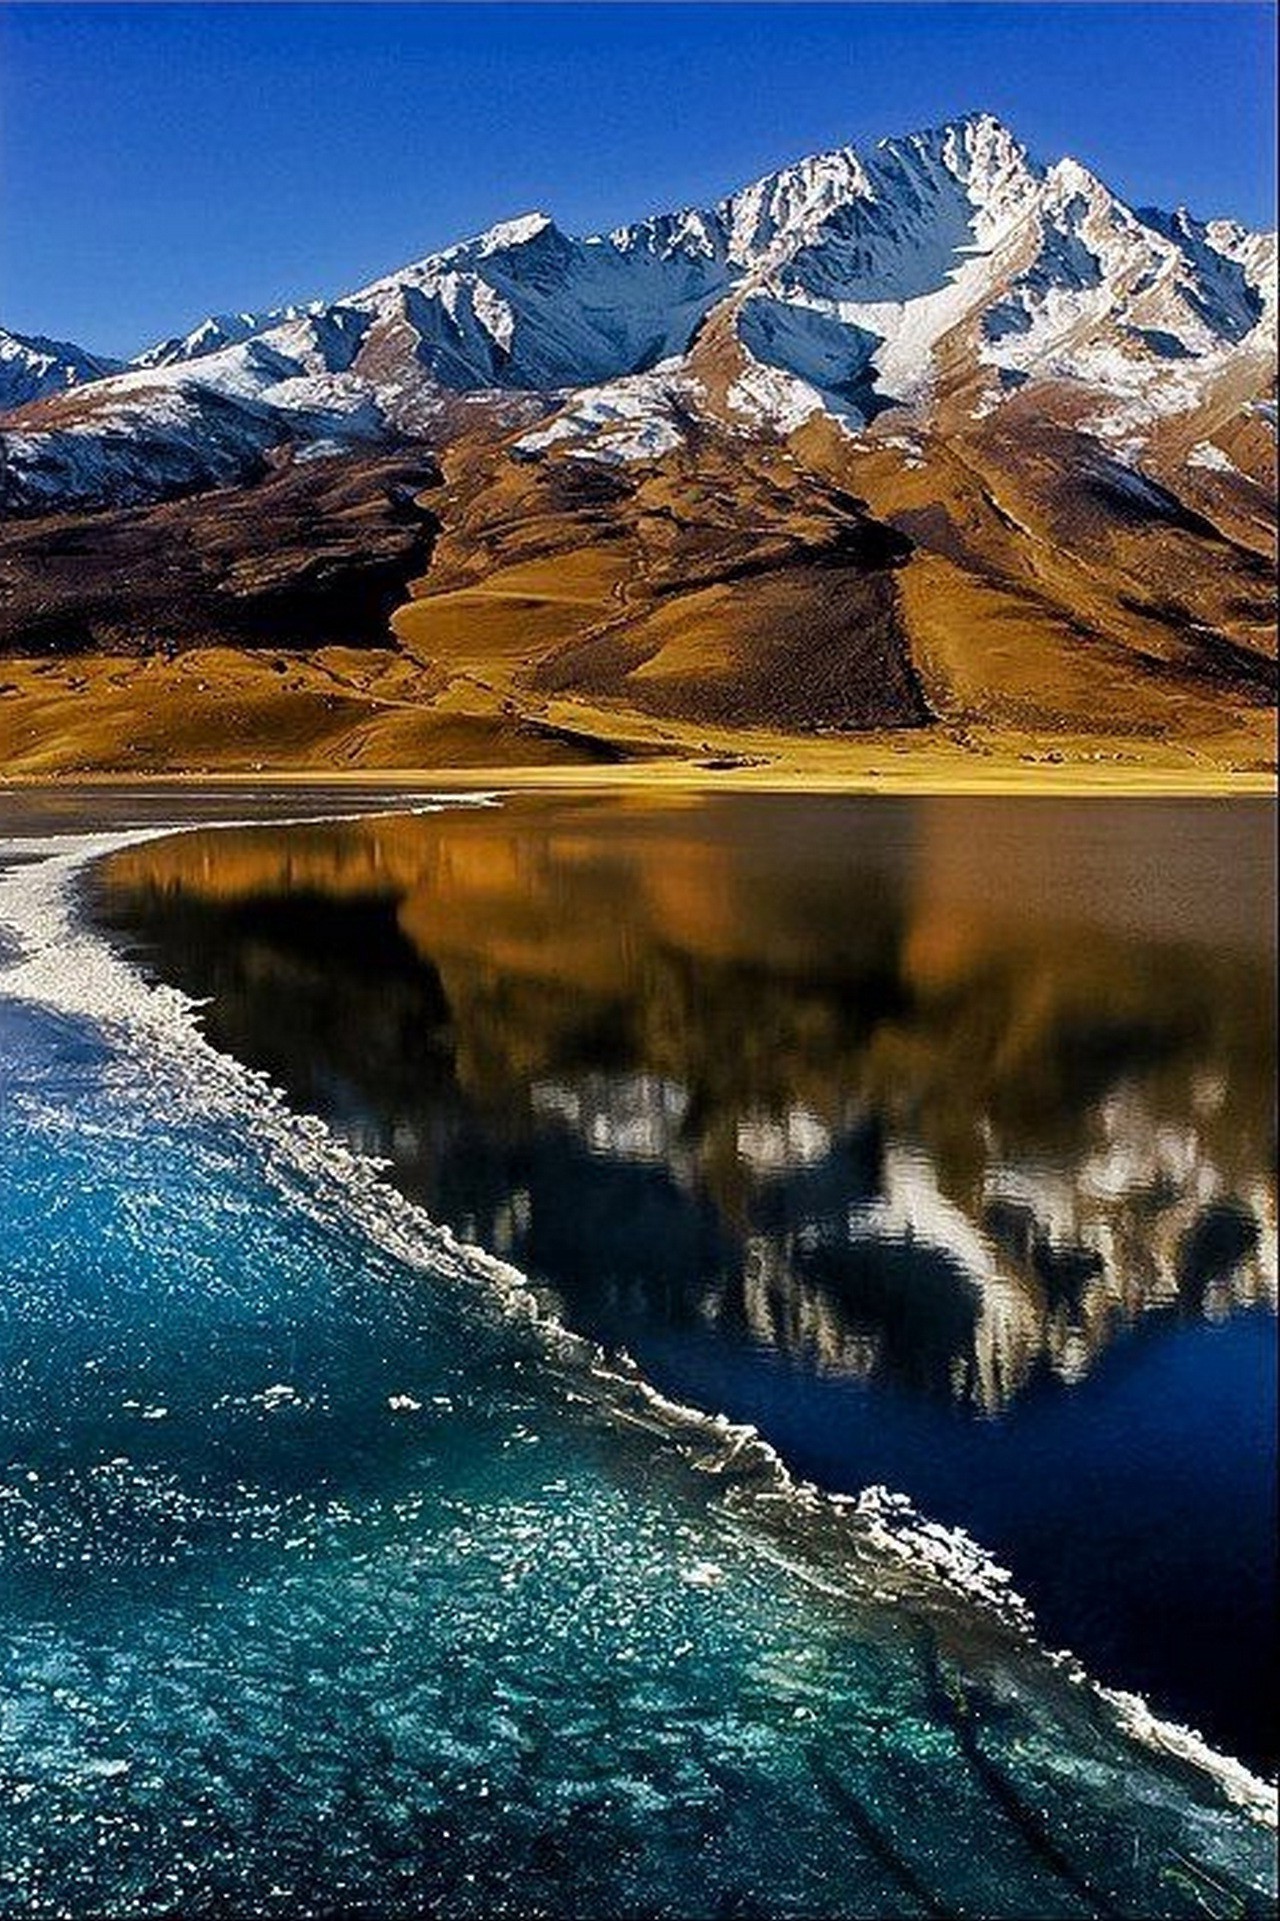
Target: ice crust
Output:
[{"x": 62, "y": 964}]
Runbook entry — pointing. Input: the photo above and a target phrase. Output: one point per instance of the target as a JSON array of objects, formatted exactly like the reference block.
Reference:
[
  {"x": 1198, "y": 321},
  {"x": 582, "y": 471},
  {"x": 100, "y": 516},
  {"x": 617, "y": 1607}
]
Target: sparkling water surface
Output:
[
  {"x": 332, "y": 1582},
  {"x": 934, "y": 1137}
]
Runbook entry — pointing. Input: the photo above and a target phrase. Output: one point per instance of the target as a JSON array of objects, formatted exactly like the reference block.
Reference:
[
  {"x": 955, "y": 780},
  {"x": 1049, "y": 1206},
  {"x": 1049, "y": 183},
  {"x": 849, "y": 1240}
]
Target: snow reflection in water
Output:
[
  {"x": 935, "y": 1138},
  {"x": 329, "y": 1582}
]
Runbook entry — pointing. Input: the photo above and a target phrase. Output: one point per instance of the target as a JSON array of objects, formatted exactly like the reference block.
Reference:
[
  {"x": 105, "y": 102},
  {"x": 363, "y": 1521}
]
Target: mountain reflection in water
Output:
[{"x": 934, "y": 1101}]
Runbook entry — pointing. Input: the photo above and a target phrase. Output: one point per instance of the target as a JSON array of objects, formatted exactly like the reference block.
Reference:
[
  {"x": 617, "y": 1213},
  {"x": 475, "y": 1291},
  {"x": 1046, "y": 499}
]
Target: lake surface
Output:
[
  {"x": 933, "y": 1137},
  {"x": 337, "y": 1576}
]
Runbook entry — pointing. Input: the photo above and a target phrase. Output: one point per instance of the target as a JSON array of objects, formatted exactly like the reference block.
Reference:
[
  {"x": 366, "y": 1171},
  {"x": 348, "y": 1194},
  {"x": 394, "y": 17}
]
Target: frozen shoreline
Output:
[{"x": 67, "y": 967}]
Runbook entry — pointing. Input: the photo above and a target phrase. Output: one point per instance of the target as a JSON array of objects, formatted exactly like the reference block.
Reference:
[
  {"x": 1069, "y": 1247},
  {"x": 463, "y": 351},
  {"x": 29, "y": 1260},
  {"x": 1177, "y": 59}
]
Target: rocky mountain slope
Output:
[
  {"x": 32, "y": 367},
  {"x": 936, "y": 435}
]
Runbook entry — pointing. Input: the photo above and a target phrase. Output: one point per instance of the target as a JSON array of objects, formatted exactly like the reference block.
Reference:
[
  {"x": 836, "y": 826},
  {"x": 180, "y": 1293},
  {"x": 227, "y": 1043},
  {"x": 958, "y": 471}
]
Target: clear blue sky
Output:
[{"x": 159, "y": 162}]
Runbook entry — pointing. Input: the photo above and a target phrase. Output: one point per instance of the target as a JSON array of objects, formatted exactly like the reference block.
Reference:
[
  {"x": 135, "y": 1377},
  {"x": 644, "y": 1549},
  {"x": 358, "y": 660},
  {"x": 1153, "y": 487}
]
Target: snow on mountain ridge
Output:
[
  {"x": 31, "y": 367},
  {"x": 217, "y": 331},
  {"x": 834, "y": 282},
  {"x": 634, "y": 418}
]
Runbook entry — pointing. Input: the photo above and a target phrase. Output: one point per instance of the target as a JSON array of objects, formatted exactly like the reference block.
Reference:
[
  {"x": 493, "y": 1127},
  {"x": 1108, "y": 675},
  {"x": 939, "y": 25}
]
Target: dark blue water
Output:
[
  {"x": 328, "y": 1587},
  {"x": 934, "y": 1138},
  {"x": 1180, "y": 1435}
]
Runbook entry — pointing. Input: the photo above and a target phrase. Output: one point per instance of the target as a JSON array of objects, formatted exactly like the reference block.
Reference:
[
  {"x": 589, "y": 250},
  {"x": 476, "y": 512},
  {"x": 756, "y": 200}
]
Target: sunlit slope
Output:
[
  {"x": 720, "y": 585},
  {"x": 934, "y": 450},
  {"x": 815, "y": 603}
]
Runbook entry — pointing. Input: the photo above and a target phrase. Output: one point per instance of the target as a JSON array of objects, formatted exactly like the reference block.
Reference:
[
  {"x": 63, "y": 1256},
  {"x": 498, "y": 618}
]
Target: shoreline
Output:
[
  {"x": 929, "y": 776},
  {"x": 944, "y": 1567}
]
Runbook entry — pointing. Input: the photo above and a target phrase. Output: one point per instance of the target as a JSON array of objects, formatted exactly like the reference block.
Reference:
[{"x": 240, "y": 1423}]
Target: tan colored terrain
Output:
[
  {"x": 330, "y": 717},
  {"x": 982, "y": 602}
]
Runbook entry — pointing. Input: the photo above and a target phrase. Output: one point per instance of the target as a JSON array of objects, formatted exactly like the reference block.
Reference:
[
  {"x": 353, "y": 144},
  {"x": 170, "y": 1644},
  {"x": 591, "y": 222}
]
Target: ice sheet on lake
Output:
[{"x": 411, "y": 1597}]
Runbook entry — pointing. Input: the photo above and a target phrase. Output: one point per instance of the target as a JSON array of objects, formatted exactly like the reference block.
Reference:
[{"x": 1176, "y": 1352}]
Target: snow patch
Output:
[
  {"x": 1205, "y": 454},
  {"x": 768, "y": 397},
  {"x": 633, "y": 419}
]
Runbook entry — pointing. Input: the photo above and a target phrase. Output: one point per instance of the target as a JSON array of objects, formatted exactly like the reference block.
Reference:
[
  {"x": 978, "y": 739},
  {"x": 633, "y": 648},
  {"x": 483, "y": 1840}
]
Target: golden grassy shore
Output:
[
  {"x": 862, "y": 768},
  {"x": 376, "y": 717}
]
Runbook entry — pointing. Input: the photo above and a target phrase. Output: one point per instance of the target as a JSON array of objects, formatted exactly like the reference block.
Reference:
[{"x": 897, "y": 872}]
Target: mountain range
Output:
[{"x": 936, "y": 440}]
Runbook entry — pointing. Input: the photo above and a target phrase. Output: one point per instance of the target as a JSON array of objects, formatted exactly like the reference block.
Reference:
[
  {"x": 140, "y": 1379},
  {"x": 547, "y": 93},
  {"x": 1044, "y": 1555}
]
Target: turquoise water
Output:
[
  {"x": 933, "y": 1137},
  {"x": 332, "y": 1581}
]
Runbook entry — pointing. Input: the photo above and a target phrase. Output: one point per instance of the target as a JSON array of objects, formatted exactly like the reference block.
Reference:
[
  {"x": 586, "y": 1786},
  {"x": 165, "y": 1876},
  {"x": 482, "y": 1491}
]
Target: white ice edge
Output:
[{"x": 63, "y": 965}]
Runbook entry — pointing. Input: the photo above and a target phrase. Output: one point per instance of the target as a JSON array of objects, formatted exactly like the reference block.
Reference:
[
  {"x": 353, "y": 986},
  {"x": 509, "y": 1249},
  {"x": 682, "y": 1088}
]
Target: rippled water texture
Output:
[{"x": 332, "y": 1579}]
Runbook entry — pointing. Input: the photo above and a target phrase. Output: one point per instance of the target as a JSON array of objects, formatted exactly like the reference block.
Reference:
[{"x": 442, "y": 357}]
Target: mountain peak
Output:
[
  {"x": 519, "y": 232},
  {"x": 969, "y": 138},
  {"x": 220, "y": 330},
  {"x": 843, "y": 282},
  {"x": 33, "y": 367},
  {"x": 983, "y": 128},
  {"x": 795, "y": 199}
]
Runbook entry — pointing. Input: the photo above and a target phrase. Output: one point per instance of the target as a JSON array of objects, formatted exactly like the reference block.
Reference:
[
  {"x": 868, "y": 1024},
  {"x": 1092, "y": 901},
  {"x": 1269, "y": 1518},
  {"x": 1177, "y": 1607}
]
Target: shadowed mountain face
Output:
[
  {"x": 936, "y": 436},
  {"x": 935, "y": 1137},
  {"x": 318, "y": 549}
]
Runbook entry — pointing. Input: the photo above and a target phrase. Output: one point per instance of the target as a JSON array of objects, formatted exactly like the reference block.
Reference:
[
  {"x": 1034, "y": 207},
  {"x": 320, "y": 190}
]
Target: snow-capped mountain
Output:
[
  {"x": 217, "y": 331},
  {"x": 945, "y": 264},
  {"x": 32, "y": 367}
]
